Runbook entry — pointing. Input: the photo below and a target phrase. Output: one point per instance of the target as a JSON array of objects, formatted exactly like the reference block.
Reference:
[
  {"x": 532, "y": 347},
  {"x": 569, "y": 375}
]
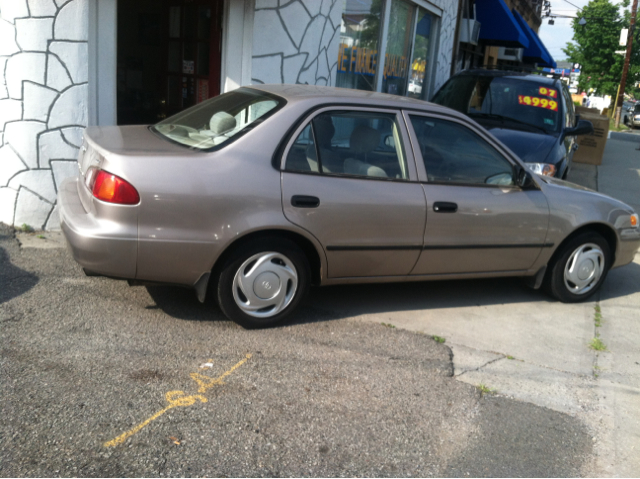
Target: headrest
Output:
[
  {"x": 324, "y": 129},
  {"x": 364, "y": 139},
  {"x": 221, "y": 123}
]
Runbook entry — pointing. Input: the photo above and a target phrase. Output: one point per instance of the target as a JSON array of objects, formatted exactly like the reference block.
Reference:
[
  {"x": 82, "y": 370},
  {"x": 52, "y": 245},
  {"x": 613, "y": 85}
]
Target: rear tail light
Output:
[{"x": 111, "y": 188}]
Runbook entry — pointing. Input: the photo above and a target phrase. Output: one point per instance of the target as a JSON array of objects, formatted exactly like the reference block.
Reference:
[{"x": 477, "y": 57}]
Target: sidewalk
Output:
[{"x": 618, "y": 380}]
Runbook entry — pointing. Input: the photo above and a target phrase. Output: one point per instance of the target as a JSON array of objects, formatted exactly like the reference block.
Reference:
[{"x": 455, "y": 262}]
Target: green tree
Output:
[{"x": 595, "y": 44}]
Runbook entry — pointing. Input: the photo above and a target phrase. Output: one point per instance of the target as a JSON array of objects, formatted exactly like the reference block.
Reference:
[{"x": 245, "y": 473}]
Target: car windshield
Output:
[
  {"x": 517, "y": 102},
  {"x": 214, "y": 122}
]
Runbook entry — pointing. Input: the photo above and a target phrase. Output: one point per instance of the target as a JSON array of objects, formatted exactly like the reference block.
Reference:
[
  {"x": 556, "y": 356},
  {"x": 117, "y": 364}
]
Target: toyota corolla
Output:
[{"x": 257, "y": 194}]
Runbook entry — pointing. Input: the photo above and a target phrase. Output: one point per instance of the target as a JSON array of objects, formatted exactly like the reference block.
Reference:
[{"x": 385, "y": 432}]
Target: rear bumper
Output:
[{"x": 102, "y": 246}]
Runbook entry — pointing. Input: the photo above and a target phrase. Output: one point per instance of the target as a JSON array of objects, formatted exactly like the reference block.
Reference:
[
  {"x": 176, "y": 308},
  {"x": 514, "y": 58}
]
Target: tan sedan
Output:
[{"x": 261, "y": 192}]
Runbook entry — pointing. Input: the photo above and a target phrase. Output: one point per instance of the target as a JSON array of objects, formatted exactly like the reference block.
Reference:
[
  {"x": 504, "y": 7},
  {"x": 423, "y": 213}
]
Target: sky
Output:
[{"x": 555, "y": 37}]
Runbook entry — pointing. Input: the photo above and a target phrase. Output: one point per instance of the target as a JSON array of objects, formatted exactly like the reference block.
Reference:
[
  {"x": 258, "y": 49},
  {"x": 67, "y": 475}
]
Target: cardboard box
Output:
[
  {"x": 583, "y": 110},
  {"x": 591, "y": 147},
  {"x": 577, "y": 97}
]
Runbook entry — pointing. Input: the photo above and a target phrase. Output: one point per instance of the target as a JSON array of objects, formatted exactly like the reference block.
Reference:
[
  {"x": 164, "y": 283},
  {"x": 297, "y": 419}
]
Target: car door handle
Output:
[
  {"x": 302, "y": 201},
  {"x": 445, "y": 207}
]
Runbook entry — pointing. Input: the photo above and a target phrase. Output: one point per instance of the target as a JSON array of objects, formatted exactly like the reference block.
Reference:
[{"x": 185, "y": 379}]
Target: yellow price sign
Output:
[
  {"x": 550, "y": 92},
  {"x": 538, "y": 102}
]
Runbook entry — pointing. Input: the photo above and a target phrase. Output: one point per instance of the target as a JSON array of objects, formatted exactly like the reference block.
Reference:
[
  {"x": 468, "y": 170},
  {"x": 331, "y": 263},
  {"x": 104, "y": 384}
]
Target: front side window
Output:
[
  {"x": 454, "y": 154},
  {"x": 214, "y": 122},
  {"x": 350, "y": 143},
  {"x": 514, "y": 102},
  {"x": 570, "y": 116}
]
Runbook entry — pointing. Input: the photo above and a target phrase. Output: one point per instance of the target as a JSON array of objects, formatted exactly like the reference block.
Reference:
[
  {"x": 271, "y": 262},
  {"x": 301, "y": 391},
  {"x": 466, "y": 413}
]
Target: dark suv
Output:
[{"x": 532, "y": 114}]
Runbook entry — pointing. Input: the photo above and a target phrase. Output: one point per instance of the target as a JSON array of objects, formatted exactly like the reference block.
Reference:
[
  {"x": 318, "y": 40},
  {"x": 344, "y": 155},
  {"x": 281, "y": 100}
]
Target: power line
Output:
[{"x": 579, "y": 8}]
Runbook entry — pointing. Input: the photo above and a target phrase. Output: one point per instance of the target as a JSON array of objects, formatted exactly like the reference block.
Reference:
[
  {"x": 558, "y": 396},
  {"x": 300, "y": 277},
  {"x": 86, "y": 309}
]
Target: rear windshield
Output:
[
  {"x": 511, "y": 100},
  {"x": 213, "y": 123}
]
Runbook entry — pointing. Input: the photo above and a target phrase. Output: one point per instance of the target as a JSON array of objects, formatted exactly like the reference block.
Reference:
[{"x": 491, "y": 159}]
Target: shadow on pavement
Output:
[
  {"x": 337, "y": 302},
  {"x": 378, "y": 298},
  {"x": 620, "y": 282},
  {"x": 182, "y": 303},
  {"x": 13, "y": 280}
]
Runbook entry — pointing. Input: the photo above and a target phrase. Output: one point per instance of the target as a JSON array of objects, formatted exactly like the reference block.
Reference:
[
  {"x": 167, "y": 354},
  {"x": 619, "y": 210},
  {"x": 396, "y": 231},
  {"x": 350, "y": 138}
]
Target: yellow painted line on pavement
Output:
[{"x": 179, "y": 399}]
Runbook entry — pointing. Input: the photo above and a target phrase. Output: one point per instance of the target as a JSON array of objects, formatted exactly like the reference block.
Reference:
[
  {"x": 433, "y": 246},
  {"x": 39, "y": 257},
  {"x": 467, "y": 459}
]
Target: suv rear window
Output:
[
  {"x": 518, "y": 101},
  {"x": 213, "y": 123}
]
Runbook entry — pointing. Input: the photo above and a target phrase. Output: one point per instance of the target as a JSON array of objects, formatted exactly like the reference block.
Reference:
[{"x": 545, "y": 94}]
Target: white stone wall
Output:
[
  {"x": 43, "y": 104},
  {"x": 447, "y": 32},
  {"x": 297, "y": 41}
]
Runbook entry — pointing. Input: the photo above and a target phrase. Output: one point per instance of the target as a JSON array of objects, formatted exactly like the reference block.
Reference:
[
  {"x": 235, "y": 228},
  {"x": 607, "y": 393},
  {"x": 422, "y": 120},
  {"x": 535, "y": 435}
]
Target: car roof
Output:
[
  {"x": 332, "y": 95},
  {"x": 509, "y": 74}
]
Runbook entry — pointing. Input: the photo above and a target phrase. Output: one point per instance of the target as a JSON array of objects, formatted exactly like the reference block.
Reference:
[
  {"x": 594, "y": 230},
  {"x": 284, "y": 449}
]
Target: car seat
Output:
[{"x": 362, "y": 142}]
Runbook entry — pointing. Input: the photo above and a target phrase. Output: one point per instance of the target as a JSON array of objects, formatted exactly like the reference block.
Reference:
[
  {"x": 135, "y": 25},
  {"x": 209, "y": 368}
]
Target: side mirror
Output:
[
  {"x": 525, "y": 180},
  {"x": 584, "y": 127}
]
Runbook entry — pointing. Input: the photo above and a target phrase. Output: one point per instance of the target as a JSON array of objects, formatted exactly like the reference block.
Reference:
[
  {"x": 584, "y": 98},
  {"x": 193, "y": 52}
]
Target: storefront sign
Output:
[{"x": 364, "y": 61}]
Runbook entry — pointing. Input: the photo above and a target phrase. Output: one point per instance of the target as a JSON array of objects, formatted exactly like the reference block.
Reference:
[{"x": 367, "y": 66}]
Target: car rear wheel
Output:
[
  {"x": 580, "y": 268},
  {"x": 263, "y": 282}
]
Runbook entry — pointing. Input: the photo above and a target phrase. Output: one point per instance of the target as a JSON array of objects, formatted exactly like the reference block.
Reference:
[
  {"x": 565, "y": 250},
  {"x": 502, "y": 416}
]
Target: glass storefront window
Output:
[
  {"x": 418, "y": 80},
  {"x": 358, "y": 52},
  {"x": 399, "y": 39},
  {"x": 404, "y": 67}
]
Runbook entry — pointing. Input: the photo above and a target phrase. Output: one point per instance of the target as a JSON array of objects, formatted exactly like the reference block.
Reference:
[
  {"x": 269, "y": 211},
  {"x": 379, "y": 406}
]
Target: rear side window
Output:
[
  {"x": 215, "y": 122},
  {"x": 454, "y": 154},
  {"x": 350, "y": 143}
]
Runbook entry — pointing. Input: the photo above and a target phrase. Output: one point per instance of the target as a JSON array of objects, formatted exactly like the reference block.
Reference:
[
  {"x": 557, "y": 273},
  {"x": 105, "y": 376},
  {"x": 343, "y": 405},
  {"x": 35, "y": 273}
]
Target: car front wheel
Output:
[
  {"x": 580, "y": 268},
  {"x": 263, "y": 282}
]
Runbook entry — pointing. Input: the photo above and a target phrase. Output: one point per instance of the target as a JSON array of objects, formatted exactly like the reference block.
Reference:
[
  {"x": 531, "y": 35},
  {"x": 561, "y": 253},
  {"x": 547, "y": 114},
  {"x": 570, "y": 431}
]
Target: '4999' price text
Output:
[{"x": 539, "y": 102}]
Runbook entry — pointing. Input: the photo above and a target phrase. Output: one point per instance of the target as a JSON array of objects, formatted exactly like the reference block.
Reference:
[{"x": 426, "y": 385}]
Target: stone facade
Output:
[
  {"x": 297, "y": 41},
  {"x": 445, "y": 41},
  {"x": 43, "y": 104}
]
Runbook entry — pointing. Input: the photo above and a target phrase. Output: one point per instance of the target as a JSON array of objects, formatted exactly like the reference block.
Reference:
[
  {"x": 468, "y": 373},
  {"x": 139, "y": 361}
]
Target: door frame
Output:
[{"x": 237, "y": 42}]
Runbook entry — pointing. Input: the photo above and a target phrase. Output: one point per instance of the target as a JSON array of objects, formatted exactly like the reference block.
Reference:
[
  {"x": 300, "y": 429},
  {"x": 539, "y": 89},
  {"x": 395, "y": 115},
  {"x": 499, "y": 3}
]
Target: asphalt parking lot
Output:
[{"x": 100, "y": 379}]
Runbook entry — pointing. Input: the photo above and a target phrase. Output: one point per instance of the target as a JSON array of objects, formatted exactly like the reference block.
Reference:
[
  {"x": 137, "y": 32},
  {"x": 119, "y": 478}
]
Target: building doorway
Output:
[{"x": 168, "y": 57}]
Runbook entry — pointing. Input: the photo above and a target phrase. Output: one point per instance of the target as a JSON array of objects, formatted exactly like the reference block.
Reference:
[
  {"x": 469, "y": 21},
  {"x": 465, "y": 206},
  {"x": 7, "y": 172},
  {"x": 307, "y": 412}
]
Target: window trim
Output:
[
  {"x": 419, "y": 161},
  {"x": 307, "y": 118}
]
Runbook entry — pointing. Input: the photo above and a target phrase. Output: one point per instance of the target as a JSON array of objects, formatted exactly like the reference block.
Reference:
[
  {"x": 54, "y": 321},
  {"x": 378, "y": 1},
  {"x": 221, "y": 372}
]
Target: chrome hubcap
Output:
[
  {"x": 265, "y": 284},
  {"x": 584, "y": 268}
]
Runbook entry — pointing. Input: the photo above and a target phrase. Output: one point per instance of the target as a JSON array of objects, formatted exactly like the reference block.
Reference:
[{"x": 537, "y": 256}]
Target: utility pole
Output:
[{"x": 627, "y": 58}]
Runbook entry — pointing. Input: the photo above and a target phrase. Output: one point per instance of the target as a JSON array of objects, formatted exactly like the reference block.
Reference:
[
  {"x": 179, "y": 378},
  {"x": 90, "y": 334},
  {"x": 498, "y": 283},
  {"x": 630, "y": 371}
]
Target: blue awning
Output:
[
  {"x": 498, "y": 26},
  {"x": 536, "y": 51}
]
